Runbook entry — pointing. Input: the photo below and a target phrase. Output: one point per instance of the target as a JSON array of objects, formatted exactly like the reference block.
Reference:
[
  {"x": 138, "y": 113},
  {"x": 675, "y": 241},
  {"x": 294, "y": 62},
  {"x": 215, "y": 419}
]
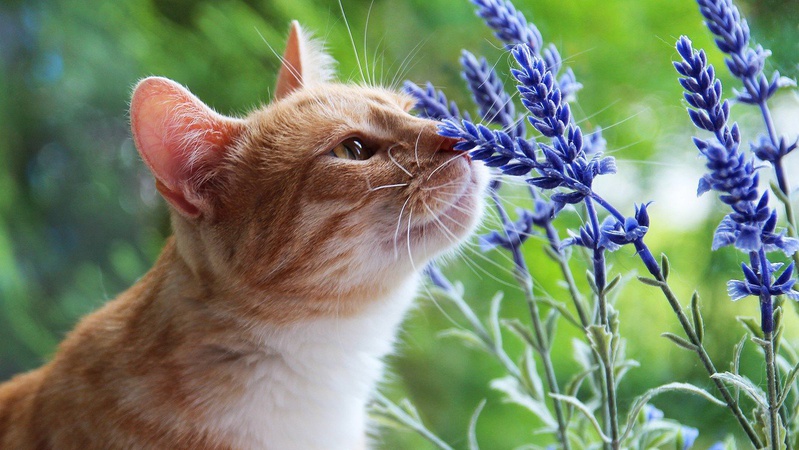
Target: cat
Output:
[{"x": 299, "y": 232}]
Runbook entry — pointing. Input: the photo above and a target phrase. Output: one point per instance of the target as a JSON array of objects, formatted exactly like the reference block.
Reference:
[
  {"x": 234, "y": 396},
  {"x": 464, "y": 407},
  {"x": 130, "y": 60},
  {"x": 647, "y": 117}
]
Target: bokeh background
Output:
[{"x": 80, "y": 219}]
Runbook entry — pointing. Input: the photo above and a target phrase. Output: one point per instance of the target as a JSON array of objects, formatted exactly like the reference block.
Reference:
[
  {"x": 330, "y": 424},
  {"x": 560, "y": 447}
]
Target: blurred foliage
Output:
[{"x": 80, "y": 220}]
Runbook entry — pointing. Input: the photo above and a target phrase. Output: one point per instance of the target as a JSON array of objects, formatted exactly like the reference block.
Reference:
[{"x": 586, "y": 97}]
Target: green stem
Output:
[
  {"x": 526, "y": 281},
  {"x": 609, "y": 375},
  {"x": 732, "y": 403},
  {"x": 771, "y": 375}
]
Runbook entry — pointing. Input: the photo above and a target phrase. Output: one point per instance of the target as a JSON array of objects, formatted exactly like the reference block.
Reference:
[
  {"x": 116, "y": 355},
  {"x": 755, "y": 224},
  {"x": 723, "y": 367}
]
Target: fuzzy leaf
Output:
[
  {"x": 612, "y": 284},
  {"x": 650, "y": 281},
  {"x": 752, "y": 325},
  {"x": 515, "y": 394},
  {"x": 468, "y": 337},
  {"x": 583, "y": 408},
  {"x": 600, "y": 341},
  {"x": 681, "y": 342},
  {"x": 696, "y": 313},
  {"x": 493, "y": 319},
  {"x": 520, "y": 330},
  {"x": 745, "y": 385},
  {"x": 664, "y": 264},
  {"x": 530, "y": 374},
  {"x": 473, "y": 426},
  {"x": 788, "y": 384},
  {"x": 643, "y": 399}
]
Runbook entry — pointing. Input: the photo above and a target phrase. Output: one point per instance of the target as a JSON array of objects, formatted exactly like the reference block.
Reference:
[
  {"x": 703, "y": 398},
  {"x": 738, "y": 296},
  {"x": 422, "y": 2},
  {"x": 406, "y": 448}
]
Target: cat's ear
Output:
[
  {"x": 304, "y": 63},
  {"x": 181, "y": 140}
]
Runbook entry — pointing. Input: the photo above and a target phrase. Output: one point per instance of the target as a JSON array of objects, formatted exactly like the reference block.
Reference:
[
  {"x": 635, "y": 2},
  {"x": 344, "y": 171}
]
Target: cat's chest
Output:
[{"x": 308, "y": 387}]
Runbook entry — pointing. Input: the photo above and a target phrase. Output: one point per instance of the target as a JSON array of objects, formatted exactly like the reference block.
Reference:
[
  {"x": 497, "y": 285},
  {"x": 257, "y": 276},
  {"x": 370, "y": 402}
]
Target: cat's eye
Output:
[{"x": 351, "y": 148}]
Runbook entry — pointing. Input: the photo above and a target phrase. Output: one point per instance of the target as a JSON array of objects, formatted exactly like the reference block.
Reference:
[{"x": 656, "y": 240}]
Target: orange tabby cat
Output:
[{"x": 298, "y": 234}]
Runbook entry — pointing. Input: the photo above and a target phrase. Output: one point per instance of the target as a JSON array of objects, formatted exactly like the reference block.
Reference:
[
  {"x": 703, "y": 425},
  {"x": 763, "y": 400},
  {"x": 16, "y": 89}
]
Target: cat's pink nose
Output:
[{"x": 448, "y": 145}]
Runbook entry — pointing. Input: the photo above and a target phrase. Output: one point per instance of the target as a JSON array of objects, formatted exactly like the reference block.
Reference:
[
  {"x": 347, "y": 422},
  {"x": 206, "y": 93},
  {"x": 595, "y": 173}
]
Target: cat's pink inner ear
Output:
[
  {"x": 289, "y": 78},
  {"x": 180, "y": 139}
]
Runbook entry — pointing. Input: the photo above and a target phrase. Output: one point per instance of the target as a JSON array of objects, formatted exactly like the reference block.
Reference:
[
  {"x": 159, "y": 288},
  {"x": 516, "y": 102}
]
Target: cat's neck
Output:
[{"x": 282, "y": 383}]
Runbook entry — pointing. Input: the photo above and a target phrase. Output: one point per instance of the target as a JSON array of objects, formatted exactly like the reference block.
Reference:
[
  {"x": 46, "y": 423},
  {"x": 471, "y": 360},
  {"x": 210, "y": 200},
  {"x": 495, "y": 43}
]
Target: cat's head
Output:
[{"x": 332, "y": 191}]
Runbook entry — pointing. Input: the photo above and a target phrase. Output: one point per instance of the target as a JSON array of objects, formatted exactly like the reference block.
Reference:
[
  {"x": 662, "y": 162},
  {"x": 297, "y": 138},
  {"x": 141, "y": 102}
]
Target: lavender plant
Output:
[
  {"x": 559, "y": 164},
  {"x": 751, "y": 226}
]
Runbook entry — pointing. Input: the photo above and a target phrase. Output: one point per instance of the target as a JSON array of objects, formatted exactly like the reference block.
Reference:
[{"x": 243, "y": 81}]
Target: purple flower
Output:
[
  {"x": 753, "y": 284},
  {"x": 488, "y": 92},
  {"x": 633, "y": 228},
  {"x": 689, "y": 435},
  {"x": 432, "y": 103},
  {"x": 512, "y": 236},
  {"x": 746, "y": 63},
  {"x": 651, "y": 413}
]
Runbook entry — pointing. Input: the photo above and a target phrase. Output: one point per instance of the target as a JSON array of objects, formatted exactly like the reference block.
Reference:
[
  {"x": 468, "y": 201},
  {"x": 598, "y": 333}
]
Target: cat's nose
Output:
[{"x": 447, "y": 145}]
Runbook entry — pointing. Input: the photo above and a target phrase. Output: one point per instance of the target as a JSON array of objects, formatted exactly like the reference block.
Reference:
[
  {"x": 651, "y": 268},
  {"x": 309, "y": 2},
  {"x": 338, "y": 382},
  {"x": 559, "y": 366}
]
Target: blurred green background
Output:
[{"x": 80, "y": 219}]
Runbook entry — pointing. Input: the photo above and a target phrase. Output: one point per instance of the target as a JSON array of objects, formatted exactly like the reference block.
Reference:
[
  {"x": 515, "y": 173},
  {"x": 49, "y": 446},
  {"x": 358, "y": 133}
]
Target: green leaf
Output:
[
  {"x": 640, "y": 401},
  {"x": 681, "y": 342},
  {"x": 473, "y": 426},
  {"x": 551, "y": 325},
  {"x": 736, "y": 356},
  {"x": 468, "y": 337},
  {"x": 562, "y": 309},
  {"x": 514, "y": 393},
  {"x": 650, "y": 281},
  {"x": 777, "y": 315},
  {"x": 775, "y": 188},
  {"x": 530, "y": 374},
  {"x": 583, "y": 408},
  {"x": 613, "y": 283},
  {"x": 664, "y": 266},
  {"x": 788, "y": 384},
  {"x": 600, "y": 340},
  {"x": 744, "y": 384},
  {"x": 591, "y": 282},
  {"x": 519, "y": 329},
  {"x": 752, "y": 325},
  {"x": 493, "y": 319},
  {"x": 696, "y": 314}
]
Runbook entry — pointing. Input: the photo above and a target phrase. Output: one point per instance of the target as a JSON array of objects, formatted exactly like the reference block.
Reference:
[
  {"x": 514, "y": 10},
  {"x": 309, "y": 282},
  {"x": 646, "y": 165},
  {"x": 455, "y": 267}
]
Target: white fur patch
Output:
[{"x": 310, "y": 388}]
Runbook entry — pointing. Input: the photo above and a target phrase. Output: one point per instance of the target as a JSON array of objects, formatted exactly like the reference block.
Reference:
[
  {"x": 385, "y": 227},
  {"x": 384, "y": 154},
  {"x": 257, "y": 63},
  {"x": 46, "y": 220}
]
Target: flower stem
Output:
[
  {"x": 771, "y": 375},
  {"x": 525, "y": 280},
  {"x": 600, "y": 279},
  {"x": 701, "y": 352}
]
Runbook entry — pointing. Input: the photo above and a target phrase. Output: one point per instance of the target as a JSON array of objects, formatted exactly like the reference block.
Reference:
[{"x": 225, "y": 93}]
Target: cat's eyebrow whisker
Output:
[
  {"x": 407, "y": 63},
  {"x": 394, "y": 160},
  {"x": 443, "y": 164},
  {"x": 352, "y": 41}
]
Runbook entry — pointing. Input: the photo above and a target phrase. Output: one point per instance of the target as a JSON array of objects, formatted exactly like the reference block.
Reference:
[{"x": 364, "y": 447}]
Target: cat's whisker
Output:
[
  {"x": 370, "y": 77},
  {"x": 394, "y": 160},
  {"x": 397, "y": 230},
  {"x": 416, "y": 149},
  {"x": 439, "y": 186},
  {"x": 407, "y": 63},
  {"x": 475, "y": 266},
  {"x": 441, "y": 166},
  {"x": 352, "y": 41},
  {"x": 387, "y": 186}
]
